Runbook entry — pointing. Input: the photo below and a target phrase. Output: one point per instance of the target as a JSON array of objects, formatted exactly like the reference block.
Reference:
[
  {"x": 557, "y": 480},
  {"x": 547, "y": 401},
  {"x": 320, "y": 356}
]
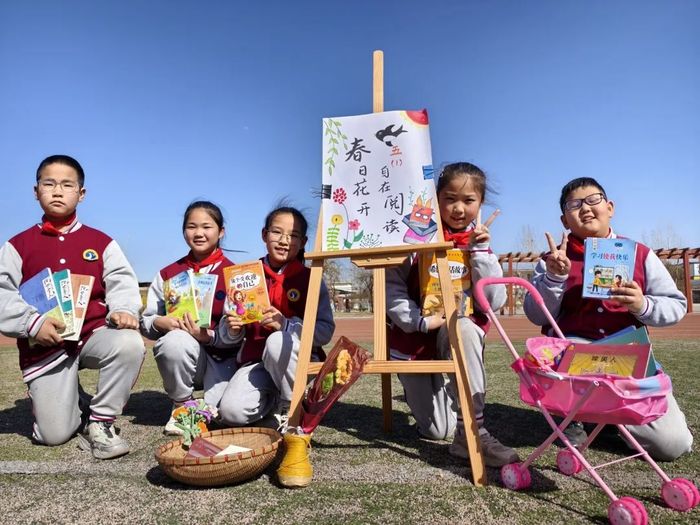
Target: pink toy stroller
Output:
[{"x": 601, "y": 399}]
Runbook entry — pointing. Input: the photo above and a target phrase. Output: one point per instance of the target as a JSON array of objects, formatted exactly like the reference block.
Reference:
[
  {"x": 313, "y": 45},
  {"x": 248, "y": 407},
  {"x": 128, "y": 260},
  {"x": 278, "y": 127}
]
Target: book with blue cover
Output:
[
  {"x": 607, "y": 263},
  {"x": 39, "y": 291}
]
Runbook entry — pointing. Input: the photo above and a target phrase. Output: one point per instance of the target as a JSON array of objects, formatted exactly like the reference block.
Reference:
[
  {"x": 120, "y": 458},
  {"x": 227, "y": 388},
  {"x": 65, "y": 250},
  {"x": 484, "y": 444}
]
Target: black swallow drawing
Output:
[{"x": 382, "y": 134}]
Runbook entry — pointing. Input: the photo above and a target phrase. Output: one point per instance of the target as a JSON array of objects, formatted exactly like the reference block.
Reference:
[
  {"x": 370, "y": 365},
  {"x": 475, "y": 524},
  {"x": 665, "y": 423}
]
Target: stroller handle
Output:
[{"x": 517, "y": 281}]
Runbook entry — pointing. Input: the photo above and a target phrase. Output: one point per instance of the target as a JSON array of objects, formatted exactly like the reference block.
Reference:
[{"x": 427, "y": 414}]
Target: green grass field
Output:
[{"x": 361, "y": 475}]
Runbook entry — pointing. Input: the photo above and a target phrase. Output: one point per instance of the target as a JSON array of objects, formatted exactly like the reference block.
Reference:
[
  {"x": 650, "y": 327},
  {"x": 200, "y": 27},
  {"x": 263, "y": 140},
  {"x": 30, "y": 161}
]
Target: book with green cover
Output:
[
  {"x": 179, "y": 296},
  {"x": 62, "y": 282},
  {"x": 204, "y": 290},
  {"x": 39, "y": 291}
]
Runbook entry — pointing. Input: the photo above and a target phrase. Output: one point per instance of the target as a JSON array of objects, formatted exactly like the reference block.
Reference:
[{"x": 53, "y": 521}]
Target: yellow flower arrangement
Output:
[
  {"x": 343, "y": 367},
  {"x": 337, "y": 219}
]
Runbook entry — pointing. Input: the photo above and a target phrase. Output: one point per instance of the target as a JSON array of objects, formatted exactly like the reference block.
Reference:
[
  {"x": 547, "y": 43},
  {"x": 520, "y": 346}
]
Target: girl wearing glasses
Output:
[
  {"x": 188, "y": 355},
  {"x": 267, "y": 360}
]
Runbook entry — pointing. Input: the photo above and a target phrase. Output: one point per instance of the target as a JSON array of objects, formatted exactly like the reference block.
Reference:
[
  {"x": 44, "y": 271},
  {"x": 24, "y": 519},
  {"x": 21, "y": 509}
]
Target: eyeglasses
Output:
[
  {"x": 591, "y": 200},
  {"x": 68, "y": 186},
  {"x": 276, "y": 236}
]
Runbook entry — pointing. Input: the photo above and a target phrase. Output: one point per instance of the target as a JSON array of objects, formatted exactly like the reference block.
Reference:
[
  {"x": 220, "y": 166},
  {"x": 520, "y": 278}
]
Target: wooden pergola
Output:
[{"x": 665, "y": 254}]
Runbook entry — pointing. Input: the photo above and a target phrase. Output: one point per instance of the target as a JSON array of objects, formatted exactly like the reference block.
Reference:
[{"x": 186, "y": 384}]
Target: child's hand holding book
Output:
[
  {"x": 628, "y": 294},
  {"x": 48, "y": 333},
  {"x": 273, "y": 319},
  {"x": 191, "y": 326},
  {"x": 234, "y": 324}
]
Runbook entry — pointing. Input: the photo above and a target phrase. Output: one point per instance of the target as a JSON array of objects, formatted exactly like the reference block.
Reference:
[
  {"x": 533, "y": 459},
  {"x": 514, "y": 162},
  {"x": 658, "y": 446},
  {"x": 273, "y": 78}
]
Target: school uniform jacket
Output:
[
  {"x": 82, "y": 250},
  {"x": 155, "y": 303},
  {"x": 292, "y": 303},
  {"x": 594, "y": 319},
  {"x": 408, "y": 334}
]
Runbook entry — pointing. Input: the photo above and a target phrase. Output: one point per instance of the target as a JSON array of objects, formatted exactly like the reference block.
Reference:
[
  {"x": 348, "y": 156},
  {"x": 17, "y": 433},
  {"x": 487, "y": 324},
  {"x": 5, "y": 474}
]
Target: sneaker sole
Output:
[
  {"x": 295, "y": 482},
  {"x": 97, "y": 453}
]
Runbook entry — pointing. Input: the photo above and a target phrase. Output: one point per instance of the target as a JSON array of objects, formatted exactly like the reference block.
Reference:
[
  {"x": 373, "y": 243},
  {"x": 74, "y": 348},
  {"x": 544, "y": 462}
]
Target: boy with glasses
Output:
[
  {"x": 108, "y": 340},
  {"x": 651, "y": 299}
]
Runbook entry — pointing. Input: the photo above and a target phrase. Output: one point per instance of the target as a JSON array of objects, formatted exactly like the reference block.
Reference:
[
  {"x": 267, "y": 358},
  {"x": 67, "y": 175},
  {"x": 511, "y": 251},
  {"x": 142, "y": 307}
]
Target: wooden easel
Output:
[{"x": 378, "y": 259}]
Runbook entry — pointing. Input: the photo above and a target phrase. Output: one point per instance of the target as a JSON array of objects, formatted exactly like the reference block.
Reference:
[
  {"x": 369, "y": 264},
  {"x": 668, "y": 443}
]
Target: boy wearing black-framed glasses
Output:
[{"x": 650, "y": 299}]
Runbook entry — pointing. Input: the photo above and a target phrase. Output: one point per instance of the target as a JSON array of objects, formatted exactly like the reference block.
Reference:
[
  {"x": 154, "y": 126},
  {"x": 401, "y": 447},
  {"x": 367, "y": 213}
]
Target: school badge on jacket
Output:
[{"x": 90, "y": 255}]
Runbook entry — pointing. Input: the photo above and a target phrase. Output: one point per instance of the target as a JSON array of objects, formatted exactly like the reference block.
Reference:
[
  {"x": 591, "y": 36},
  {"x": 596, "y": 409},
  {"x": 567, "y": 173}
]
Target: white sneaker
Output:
[
  {"x": 101, "y": 438},
  {"x": 170, "y": 429},
  {"x": 281, "y": 415},
  {"x": 495, "y": 453}
]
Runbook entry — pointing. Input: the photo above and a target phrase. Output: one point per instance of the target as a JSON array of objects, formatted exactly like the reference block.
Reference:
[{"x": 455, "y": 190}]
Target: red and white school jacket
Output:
[
  {"x": 82, "y": 250},
  {"x": 594, "y": 319},
  {"x": 155, "y": 302}
]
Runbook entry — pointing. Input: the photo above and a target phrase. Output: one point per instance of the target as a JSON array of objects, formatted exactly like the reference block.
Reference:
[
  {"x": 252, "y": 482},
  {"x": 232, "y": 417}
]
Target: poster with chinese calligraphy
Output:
[{"x": 378, "y": 187}]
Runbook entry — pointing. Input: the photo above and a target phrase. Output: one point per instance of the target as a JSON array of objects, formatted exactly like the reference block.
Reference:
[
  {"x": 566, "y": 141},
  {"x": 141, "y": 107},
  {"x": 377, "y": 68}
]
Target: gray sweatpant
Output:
[
  {"x": 185, "y": 366},
  {"x": 258, "y": 388},
  {"x": 117, "y": 354},
  {"x": 434, "y": 401}
]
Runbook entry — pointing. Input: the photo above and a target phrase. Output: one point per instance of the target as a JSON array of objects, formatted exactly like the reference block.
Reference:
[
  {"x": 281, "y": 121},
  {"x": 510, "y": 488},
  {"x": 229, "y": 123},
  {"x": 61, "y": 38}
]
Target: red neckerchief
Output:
[
  {"x": 461, "y": 239},
  {"x": 575, "y": 244},
  {"x": 53, "y": 226},
  {"x": 275, "y": 288},
  {"x": 214, "y": 257}
]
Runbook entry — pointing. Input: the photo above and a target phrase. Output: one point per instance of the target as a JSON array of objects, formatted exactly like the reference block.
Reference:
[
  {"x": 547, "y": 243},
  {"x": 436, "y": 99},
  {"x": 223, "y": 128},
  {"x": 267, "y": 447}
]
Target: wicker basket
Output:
[{"x": 222, "y": 470}]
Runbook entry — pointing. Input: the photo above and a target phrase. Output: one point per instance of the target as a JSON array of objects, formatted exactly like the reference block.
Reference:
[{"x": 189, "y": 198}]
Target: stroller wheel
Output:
[
  {"x": 567, "y": 463},
  {"x": 515, "y": 477},
  {"x": 627, "y": 511},
  {"x": 680, "y": 494}
]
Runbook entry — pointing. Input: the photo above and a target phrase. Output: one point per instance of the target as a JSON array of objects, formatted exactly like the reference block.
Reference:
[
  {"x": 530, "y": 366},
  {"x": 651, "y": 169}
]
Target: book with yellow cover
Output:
[
  {"x": 621, "y": 360},
  {"x": 179, "y": 296},
  {"x": 431, "y": 296},
  {"x": 246, "y": 291}
]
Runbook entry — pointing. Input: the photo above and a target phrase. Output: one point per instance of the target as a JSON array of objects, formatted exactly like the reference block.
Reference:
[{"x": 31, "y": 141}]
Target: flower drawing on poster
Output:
[{"x": 378, "y": 185}]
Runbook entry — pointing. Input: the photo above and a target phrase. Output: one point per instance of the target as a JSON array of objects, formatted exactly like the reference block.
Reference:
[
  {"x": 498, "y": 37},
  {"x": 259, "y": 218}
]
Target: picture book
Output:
[
  {"x": 204, "y": 290},
  {"x": 81, "y": 286},
  {"x": 630, "y": 336},
  {"x": 606, "y": 263},
  {"x": 40, "y": 292},
  {"x": 61, "y": 280},
  {"x": 620, "y": 360},
  {"x": 431, "y": 296},
  {"x": 179, "y": 296},
  {"x": 246, "y": 291}
]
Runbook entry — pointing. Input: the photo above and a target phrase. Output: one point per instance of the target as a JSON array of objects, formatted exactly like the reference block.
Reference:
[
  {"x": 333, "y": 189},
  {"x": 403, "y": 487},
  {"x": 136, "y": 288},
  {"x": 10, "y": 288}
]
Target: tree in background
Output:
[
  {"x": 665, "y": 237},
  {"x": 363, "y": 284},
  {"x": 332, "y": 275},
  {"x": 527, "y": 240}
]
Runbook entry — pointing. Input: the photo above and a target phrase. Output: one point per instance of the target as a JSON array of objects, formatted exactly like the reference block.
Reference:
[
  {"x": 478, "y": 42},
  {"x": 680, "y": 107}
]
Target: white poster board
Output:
[{"x": 378, "y": 187}]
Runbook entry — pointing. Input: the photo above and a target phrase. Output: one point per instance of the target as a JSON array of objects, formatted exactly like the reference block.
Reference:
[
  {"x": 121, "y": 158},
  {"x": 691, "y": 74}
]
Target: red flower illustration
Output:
[
  {"x": 339, "y": 196},
  {"x": 354, "y": 225}
]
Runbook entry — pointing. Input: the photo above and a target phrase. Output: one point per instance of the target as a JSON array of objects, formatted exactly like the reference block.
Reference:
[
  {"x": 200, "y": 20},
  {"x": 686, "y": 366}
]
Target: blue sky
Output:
[{"x": 171, "y": 101}]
